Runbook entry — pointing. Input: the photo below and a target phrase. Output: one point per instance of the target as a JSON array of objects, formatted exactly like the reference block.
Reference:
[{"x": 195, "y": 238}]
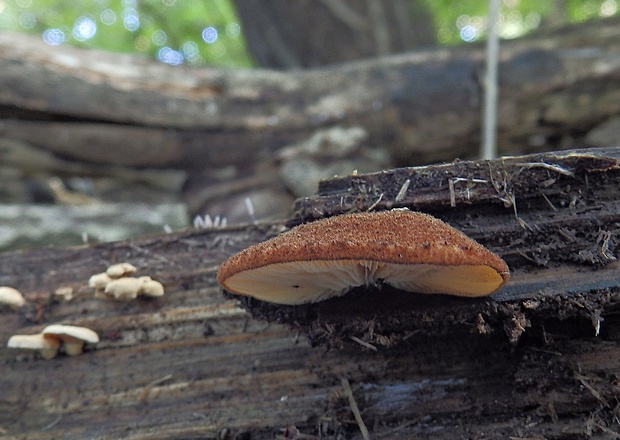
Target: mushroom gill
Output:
[{"x": 408, "y": 250}]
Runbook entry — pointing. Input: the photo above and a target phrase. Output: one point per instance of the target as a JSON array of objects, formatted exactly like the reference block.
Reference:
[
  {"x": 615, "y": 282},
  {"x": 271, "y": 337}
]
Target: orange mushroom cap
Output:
[{"x": 408, "y": 250}]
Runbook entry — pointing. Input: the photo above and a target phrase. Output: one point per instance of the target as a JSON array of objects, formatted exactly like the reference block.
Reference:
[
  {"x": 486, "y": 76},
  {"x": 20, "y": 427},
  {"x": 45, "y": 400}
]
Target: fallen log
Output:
[
  {"x": 422, "y": 106},
  {"x": 537, "y": 359}
]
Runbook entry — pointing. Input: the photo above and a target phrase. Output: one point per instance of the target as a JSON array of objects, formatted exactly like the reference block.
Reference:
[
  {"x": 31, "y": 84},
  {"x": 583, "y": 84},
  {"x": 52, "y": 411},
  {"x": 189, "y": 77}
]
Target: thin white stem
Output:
[{"x": 489, "y": 121}]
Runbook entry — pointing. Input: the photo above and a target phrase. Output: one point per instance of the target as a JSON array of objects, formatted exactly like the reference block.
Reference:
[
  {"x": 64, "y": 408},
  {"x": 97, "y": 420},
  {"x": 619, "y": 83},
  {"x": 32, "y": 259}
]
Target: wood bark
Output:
[{"x": 537, "y": 360}]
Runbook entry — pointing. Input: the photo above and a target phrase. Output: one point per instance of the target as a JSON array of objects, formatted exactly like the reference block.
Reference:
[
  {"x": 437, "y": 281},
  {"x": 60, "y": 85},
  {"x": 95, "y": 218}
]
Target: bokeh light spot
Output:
[
  {"x": 462, "y": 21},
  {"x": 159, "y": 37},
  {"x": 141, "y": 43},
  {"x": 444, "y": 35},
  {"x": 190, "y": 51},
  {"x": 27, "y": 20},
  {"x": 108, "y": 17},
  {"x": 53, "y": 37},
  {"x": 233, "y": 30},
  {"x": 131, "y": 20},
  {"x": 170, "y": 56},
  {"x": 468, "y": 33},
  {"x": 608, "y": 8},
  {"x": 209, "y": 35},
  {"x": 532, "y": 20},
  {"x": 84, "y": 28}
]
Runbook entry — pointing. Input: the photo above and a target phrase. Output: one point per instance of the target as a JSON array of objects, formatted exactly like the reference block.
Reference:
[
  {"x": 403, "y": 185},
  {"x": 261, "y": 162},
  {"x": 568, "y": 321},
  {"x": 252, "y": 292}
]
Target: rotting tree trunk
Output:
[{"x": 539, "y": 359}]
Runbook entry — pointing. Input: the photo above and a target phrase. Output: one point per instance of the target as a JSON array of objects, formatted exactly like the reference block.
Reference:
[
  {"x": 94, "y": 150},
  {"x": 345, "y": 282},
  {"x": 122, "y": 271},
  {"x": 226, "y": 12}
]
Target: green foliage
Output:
[
  {"x": 458, "y": 21},
  {"x": 170, "y": 30},
  {"x": 173, "y": 30}
]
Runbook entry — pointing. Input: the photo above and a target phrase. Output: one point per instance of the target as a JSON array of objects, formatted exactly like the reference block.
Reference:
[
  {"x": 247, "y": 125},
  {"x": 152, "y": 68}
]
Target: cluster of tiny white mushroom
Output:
[
  {"x": 207, "y": 223},
  {"x": 54, "y": 337},
  {"x": 118, "y": 284},
  {"x": 115, "y": 283}
]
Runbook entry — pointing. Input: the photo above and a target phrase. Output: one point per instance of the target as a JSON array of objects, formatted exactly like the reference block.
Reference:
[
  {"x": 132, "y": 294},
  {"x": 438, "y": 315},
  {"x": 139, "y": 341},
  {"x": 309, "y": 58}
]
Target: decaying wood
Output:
[
  {"x": 551, "y": 210},
  {"x": 537, "y": 360}
]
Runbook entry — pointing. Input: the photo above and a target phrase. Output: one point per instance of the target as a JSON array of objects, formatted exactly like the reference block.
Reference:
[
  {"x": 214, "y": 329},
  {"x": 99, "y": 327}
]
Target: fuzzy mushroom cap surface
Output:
[{"x": 406, "y": 249}]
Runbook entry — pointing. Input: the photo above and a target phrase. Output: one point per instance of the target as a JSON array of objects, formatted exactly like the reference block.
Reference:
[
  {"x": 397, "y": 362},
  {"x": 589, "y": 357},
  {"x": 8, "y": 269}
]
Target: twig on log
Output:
[{"x": 353, "y": 404}]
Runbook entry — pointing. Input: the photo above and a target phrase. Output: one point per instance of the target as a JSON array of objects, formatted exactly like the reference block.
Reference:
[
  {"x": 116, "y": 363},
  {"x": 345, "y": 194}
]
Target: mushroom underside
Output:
[{"x": 302, "y": 282}]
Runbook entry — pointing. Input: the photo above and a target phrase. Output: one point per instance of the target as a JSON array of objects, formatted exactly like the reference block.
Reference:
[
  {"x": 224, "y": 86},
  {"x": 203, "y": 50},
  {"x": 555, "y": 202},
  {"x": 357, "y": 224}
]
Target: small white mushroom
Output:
[
  {"x": 65, "y": 293},
  {"x": 73, "y": 337},
  {"x": 99, "y": 281},
  {"x": 151, "y": 287},
  {"x": 121, "y": 270},
  {"x": 48, "y": 347},
  {"x": 11, "y": 297},
  {"x": 124, "y": 289}
]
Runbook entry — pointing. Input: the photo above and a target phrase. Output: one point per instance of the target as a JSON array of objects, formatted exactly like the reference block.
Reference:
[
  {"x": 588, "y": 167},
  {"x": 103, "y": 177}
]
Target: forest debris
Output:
[
  {"x": 585, "y": 382},
  {"x": 557, "y": 168},
  {"x": 354, "y": 408},
  {"x": 515, "y": 322},
  {"x": 363, "y": 343},
  {"x": 402, "y": 191}
]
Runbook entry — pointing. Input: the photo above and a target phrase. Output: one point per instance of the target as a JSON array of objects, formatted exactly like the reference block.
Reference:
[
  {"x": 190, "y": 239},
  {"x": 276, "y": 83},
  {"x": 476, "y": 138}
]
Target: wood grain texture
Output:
[{"x": 193, "y": 364}]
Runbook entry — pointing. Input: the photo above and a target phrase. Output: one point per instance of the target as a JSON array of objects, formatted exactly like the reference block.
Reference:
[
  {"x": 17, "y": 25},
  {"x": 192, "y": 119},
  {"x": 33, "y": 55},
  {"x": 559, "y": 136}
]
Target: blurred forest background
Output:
[
  {"x": 124, "y": 117},
  {"x": 211, "y": 32}
]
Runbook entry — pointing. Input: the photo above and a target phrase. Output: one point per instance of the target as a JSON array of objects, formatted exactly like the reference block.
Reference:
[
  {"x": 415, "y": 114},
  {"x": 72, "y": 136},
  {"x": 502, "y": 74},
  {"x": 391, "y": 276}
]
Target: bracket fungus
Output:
[{"x": 408, "y": 250}]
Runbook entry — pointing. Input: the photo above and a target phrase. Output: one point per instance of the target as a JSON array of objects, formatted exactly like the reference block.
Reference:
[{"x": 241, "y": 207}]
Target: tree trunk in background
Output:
[{"x": 286, "y": 34}]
